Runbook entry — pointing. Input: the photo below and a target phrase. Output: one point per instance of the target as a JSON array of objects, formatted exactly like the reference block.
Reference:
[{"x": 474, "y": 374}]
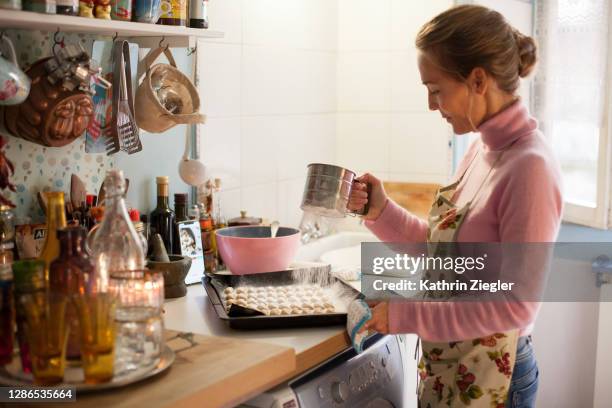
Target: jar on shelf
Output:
[{"x": 173, "y": 12}]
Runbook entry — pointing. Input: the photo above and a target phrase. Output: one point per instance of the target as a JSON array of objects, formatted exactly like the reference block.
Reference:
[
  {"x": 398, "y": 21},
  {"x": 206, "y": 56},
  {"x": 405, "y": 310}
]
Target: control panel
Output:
[{"x": 375, "y": 374}]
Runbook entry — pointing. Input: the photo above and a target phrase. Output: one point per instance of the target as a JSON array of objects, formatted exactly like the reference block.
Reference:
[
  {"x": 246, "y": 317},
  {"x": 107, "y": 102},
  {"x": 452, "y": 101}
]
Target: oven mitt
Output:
[{"x": 358, "y": 314}]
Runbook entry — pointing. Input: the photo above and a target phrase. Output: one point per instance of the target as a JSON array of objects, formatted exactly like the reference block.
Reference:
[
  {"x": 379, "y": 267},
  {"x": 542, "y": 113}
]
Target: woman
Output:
[{"x": 507, "y": 189}]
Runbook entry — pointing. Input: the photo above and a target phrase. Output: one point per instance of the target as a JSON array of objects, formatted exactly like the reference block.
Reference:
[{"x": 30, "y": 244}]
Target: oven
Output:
[{"x": 372, "y": 379}]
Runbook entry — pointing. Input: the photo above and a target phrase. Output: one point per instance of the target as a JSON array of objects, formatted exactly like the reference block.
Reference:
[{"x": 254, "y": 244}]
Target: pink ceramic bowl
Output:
[{"x": 250, "y": 249}]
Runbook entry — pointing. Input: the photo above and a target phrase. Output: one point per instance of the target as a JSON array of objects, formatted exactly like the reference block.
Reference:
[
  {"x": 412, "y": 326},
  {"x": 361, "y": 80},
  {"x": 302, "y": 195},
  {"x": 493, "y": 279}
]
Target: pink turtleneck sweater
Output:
[{"x": 520, "y": 202}]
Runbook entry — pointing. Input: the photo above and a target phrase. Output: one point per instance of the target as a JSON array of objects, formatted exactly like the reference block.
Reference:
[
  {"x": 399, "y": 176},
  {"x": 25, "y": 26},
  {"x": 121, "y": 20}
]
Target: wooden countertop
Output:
[
  {"x": 227, "y": 367},
  {"x": 215, "y": 372}
]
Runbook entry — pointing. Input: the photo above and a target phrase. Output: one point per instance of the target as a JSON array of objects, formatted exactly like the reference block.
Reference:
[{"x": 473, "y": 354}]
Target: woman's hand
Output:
[
  {"x": 380, "y": 318},
  {"x": 359, "y": 196}
]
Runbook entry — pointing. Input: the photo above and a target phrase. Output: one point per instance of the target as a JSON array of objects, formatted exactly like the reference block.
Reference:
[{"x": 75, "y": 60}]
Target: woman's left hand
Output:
[{"x": 380, "y": 318}]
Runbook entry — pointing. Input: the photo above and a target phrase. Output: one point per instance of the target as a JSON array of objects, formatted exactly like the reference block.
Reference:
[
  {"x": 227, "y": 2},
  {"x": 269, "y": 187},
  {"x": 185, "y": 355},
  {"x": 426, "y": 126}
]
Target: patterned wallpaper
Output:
[{"x": 42, "y": 168}]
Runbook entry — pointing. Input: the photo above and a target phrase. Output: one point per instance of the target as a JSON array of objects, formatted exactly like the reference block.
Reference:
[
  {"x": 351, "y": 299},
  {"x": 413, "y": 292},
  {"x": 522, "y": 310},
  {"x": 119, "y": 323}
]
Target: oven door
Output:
[{"x": 372, "y": 379}]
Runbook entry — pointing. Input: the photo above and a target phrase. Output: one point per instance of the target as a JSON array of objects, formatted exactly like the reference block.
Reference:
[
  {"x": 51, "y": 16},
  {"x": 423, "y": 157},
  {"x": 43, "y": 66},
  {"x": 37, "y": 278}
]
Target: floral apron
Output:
[{"x": 476, "y": 372}]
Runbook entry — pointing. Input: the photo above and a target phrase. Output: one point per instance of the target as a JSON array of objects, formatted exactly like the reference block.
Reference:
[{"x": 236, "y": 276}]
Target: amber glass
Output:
[
  {"x": 96, "y": 313},
  {"x": 56, "y": 219},
  {"x": 68, "y": 274},
  {"x": 28, "y": 277},
  {"x": 47, "y": 333}
]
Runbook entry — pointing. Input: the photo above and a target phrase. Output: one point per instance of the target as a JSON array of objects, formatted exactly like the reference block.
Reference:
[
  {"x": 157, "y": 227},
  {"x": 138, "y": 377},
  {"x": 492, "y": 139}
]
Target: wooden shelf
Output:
[{"x": 175, "y": 35}]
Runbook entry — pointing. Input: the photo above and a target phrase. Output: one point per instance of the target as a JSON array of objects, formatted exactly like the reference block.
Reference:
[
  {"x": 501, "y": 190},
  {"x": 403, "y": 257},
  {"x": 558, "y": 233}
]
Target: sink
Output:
[{"x": 314, "y": 251}]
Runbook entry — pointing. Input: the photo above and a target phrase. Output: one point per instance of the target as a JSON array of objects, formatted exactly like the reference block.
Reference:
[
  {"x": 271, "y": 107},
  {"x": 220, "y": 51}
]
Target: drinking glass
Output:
[
  {"x": 96, "y": 313},
  {"x": 28, "y": 277},
  {"x": 47, "y": 333},
  {"x": 139, "y": 325}
]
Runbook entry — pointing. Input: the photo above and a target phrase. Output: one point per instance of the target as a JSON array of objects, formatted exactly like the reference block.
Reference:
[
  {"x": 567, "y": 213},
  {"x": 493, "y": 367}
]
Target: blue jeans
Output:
[{"x": 524, "y": 384}]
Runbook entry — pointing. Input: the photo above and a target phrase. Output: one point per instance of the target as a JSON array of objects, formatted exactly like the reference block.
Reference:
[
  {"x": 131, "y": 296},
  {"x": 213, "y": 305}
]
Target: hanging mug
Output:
[{"x": 14, "y": 83}]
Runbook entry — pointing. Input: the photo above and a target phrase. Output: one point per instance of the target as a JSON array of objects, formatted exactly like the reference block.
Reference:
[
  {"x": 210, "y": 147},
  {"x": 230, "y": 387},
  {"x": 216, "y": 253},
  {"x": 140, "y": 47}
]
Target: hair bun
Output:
[{"x": 527, "y": 51}]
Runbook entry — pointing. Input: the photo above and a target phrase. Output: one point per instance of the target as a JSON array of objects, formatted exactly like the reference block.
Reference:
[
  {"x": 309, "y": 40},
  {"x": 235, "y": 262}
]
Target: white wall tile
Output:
[
  {"x": 260, "y": 200},
  {"x": 291, "y": 23},
  {"x": 219, "y": 78},
  {"x": 302, "y": 140},
  {"x": 407, "y": 18},
  {"x": 364, "y": 25},
  {"x": 258, "y": 146},
  {"x": 281, "y": 81},
  {"x": 314, "y": 82},
  {"x": 230, "y": 203},
  {"x": 364, "y": 81},
  {"x": 363, "y": 141},
  {"x": 419, "y": 144},
  {"x": 407, "y": 91},
  {"x": 226, "y": 16},
  {"x": 220, "y": 150},
  {"x": 289, "y": 199}
]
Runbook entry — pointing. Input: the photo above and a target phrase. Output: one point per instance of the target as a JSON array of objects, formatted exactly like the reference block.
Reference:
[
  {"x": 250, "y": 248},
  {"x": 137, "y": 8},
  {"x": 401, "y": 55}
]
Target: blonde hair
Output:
[{"x": 465, "y": 37}]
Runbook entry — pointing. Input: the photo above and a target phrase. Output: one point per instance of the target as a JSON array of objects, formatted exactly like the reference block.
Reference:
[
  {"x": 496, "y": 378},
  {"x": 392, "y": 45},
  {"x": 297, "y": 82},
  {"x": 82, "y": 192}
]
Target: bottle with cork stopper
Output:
[{"x": 162, "y": 219}]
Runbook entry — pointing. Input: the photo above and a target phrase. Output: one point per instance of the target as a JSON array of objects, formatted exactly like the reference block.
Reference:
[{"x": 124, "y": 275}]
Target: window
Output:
[{"x": 571, "y": 101}]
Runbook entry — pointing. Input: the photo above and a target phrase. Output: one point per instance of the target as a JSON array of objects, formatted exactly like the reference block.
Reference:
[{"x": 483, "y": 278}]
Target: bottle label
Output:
[{"x": 175, "y": 9}]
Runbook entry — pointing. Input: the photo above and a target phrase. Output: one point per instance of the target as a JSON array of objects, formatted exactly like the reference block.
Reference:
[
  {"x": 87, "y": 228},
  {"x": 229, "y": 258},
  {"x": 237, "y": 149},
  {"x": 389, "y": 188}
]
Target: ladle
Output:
[{"x": 193, "y": 172}]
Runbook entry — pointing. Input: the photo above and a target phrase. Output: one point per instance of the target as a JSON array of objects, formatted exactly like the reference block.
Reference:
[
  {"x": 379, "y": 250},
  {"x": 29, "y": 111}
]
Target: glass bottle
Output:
[
  {"x": 140, "y": 228},
  {"x": 56, "y": 219},
  {"x": 68, "y": 274},
  {"x": 116, "y": 245},
  {"x": 6, "y": 304},
  {"x": 162, "y": 218},
  {"x": 180, "y": 209},
  {"x": 29, "y": 277}
]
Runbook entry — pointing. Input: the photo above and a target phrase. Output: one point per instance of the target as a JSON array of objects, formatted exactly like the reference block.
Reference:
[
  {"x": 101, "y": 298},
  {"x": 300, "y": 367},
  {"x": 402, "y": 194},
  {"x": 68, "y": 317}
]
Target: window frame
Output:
[{"x": 599, "y": 216}]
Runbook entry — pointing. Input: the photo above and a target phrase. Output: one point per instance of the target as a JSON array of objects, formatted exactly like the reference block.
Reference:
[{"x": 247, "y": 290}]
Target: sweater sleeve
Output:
[
  {"x": 529, "y": 209},
  {"x": 395, "y": 224}
]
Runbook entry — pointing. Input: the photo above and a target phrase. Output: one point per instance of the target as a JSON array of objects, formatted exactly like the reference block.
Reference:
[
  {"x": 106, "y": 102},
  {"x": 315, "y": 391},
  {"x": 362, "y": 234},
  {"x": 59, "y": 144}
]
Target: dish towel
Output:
[{"x": 358, "y": 314}]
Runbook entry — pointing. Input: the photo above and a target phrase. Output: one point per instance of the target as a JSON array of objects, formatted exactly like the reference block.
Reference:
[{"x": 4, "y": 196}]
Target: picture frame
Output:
[{"x": 190, "y": 238}]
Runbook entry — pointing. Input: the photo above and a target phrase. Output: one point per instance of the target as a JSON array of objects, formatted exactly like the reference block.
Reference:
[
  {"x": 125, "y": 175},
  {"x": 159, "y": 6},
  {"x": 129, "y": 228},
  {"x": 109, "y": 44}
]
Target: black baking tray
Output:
[{"x": 216, "y": 283}]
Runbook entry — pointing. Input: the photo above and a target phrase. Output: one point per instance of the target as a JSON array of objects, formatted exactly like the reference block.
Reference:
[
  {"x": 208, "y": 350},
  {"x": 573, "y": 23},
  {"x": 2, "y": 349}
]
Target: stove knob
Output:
[{"x": 339, "y": 391}]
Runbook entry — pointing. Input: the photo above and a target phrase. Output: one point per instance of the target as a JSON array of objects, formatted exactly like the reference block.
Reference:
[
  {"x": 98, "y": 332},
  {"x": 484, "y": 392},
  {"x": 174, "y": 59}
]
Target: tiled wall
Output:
[
  {"x": 269, "y": 91},
  {"x": 384, "y": 126},
  {"x": 331, "y": 81}
]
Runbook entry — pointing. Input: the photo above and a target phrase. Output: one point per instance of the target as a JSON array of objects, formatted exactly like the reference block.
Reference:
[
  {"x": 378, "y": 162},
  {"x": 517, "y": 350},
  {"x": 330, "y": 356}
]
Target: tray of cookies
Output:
[{"x": 293, "y": 298}]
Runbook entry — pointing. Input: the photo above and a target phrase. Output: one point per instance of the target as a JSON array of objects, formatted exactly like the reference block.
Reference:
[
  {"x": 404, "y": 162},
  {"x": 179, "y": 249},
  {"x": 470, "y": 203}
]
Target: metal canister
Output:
[
  {"x": 198, "y": 14},
  {"x": 328, "y": 189}
]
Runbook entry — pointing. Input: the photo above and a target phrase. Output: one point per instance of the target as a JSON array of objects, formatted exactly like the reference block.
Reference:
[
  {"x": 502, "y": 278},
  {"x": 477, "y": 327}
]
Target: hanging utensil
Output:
[
  {"x": 192, "y": 171},
  {"x": 126, "y": 124},
  {"x": 123, "y": 128}
]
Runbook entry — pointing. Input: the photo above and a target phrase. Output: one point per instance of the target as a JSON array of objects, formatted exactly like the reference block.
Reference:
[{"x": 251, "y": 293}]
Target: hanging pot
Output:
[
  {"x": 50, "y": 116},
  {"x": 166, "y": 97}
]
